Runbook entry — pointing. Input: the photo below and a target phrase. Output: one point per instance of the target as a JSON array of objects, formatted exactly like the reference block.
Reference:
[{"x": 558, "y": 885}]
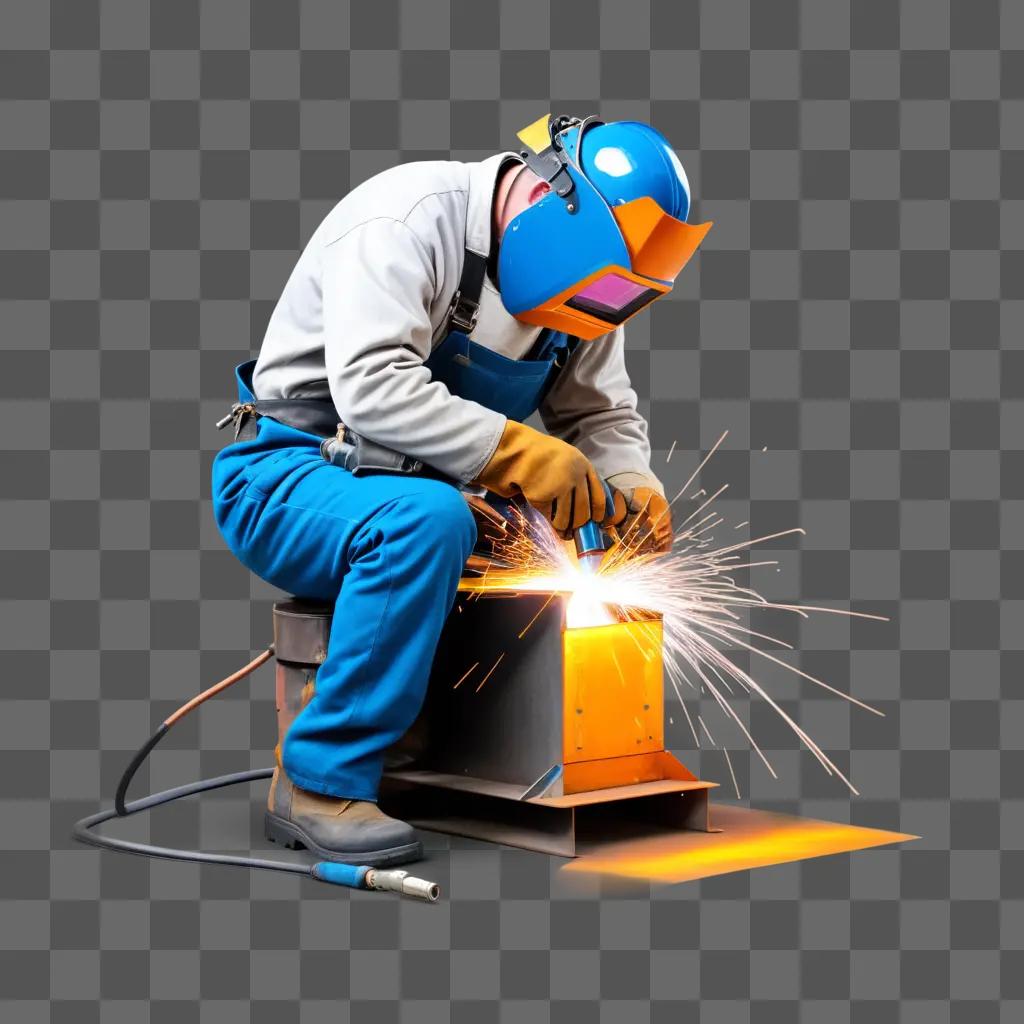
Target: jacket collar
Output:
[{"x": 483, "y": 176}]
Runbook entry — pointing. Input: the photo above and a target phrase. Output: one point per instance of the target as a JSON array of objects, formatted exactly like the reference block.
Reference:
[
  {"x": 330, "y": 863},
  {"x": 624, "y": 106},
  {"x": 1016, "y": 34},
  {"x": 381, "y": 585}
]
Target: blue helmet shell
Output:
[
  {"x": 627, "y": 160},
  {"x": 546, "y": 250}
]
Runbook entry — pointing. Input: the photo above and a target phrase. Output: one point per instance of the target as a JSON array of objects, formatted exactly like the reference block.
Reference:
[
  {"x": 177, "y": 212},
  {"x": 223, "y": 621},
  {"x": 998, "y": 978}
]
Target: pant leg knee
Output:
[
  {"x": 454, "y": 512},
  {"x": 445, "y": 519}
]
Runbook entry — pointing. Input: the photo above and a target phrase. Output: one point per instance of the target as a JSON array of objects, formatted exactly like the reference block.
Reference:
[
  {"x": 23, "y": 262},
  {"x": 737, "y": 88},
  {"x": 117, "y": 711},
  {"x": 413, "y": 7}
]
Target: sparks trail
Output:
[
  {"x": 490, "y": 671},
  {"x": 694, "y": 590},
  {"x": 466, "y": 674}
]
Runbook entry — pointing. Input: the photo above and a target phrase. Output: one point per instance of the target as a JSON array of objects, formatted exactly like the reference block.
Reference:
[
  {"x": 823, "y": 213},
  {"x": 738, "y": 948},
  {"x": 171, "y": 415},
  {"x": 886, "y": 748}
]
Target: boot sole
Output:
[{"x": 288, "y": 834}]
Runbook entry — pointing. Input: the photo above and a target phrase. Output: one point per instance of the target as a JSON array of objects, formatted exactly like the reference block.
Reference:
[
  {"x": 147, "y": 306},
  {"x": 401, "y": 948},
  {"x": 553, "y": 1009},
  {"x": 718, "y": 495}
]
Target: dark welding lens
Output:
[{"x": 613, "y": 298}]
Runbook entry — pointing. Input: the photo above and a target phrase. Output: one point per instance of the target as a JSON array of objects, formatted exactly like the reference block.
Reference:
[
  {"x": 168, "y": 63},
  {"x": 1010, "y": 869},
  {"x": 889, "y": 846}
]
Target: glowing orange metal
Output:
[{"x": 612, "y": 691}]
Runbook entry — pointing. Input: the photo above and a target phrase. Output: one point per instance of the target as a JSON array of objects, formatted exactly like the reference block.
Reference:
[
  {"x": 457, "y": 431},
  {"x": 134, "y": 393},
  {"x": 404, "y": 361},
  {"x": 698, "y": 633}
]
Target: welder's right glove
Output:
[
  {"x": 648, "y": 526},
  {"x": 555, "y": 478}
]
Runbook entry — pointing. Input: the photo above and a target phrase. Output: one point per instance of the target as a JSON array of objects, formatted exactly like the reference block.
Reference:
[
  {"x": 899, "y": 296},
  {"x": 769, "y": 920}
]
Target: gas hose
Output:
[{"x": 350, "y": 875}]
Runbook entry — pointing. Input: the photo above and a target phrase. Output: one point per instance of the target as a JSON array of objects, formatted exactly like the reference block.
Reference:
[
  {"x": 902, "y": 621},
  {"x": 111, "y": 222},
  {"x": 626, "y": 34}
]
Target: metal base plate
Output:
[{"x": 495, "y": 812}]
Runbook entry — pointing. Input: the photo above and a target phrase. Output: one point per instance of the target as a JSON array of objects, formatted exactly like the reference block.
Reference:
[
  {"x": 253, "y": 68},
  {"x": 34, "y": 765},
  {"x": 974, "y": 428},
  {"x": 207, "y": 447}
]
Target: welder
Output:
[{"x": 437, "y": 307}]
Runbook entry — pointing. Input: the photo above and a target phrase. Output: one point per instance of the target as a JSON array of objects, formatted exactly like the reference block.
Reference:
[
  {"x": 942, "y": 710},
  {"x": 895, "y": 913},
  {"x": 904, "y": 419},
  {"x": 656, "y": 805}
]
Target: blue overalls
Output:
[{"x": 387, "y": 549}]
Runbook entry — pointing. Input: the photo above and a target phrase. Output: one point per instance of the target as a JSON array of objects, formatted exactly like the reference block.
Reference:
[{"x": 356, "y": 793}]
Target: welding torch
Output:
[{"x": 592, "y": 539}]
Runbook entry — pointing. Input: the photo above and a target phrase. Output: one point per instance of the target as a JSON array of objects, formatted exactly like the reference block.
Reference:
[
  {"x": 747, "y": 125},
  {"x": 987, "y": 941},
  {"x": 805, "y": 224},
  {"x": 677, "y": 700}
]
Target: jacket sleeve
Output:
[
  {"x": 593, "y": 406},
  {"x": 378, "y": 284}
]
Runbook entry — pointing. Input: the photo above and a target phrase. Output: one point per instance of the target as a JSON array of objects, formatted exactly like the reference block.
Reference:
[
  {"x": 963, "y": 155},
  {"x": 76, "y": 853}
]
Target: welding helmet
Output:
[{"x": 611, "y": 235}]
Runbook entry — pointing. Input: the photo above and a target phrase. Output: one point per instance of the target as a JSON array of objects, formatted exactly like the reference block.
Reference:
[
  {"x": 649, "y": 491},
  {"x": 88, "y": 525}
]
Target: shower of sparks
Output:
[{"x": 693, "y": 589}]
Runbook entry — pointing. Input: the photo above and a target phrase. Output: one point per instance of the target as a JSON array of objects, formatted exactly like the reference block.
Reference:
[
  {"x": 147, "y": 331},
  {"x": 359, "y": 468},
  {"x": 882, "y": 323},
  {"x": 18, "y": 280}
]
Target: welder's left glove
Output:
[{"x": 648, "y": 525}]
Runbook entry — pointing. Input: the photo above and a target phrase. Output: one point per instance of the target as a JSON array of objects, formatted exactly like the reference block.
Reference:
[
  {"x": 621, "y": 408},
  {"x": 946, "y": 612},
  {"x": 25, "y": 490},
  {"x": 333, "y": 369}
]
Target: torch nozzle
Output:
[
  {"x": 591, "y": 543},
  {"x": 592, "y": 540},
  {"x": 589, "y": 538},
  {"x": 590, "y": 562}
]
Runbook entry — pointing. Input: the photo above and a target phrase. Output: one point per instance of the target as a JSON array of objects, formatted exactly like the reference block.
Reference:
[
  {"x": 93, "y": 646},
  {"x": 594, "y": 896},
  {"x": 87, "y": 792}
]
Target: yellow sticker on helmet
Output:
[{"x": 536, "y": 136}]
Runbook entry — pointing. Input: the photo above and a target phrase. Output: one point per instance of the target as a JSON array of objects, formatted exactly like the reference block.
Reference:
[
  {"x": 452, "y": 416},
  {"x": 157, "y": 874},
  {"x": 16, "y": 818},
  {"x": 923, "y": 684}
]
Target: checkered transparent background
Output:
[{"x": 854, "y": 320}]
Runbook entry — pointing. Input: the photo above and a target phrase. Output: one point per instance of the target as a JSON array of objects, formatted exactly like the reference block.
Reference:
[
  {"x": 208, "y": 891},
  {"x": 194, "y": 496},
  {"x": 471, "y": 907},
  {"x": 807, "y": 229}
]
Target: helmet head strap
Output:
[{"x": 545, "y": 154}]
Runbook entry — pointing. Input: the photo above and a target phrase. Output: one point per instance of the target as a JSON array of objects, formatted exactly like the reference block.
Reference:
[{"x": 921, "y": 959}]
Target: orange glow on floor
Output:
[{"x": 749, "y": 839}]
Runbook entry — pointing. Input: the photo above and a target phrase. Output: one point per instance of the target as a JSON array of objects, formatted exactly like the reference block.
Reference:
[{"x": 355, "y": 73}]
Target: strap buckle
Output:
[{"x": 463, "y": 312}]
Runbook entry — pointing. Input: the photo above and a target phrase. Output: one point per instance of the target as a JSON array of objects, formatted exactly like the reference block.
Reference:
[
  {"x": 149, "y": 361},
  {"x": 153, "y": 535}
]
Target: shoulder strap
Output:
[{"x": 465, "y": 304}]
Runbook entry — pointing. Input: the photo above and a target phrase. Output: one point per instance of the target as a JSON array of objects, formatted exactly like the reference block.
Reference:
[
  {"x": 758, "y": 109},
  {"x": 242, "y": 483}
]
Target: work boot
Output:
[{"x": 338, "y": 829}]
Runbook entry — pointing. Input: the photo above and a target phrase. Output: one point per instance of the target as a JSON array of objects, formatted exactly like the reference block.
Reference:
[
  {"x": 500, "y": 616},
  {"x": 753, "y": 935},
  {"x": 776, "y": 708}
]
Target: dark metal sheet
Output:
[{"x": 505, "y": 726}]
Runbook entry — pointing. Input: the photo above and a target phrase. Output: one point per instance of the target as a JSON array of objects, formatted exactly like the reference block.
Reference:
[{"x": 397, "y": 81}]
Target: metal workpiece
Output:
[
  {"x": 541, "y": 695},
  {"x": 531, "y": 734}
]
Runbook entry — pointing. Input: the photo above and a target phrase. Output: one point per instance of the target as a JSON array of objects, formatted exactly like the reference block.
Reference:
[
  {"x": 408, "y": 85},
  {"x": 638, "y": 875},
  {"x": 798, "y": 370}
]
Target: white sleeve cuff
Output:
[{"x": 625, "y": 481}]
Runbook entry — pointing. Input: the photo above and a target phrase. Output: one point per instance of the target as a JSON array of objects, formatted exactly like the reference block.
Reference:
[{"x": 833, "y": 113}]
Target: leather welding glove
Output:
[
  {"x": 648, "y": 525},
  {"x": 556, "y": 478}
]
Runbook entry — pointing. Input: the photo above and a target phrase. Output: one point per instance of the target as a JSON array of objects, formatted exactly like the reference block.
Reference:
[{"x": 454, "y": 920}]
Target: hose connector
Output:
[
  {"x": 402, "y": 882},
  {"x": 362, "y": 877}
]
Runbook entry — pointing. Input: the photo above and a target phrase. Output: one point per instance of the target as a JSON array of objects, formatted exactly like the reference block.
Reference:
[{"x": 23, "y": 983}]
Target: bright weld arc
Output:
[{"x": 691, "y": 588}]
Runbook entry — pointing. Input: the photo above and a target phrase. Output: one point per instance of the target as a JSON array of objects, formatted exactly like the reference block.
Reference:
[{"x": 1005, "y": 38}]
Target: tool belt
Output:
[{"x": 341, "y": 446}]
